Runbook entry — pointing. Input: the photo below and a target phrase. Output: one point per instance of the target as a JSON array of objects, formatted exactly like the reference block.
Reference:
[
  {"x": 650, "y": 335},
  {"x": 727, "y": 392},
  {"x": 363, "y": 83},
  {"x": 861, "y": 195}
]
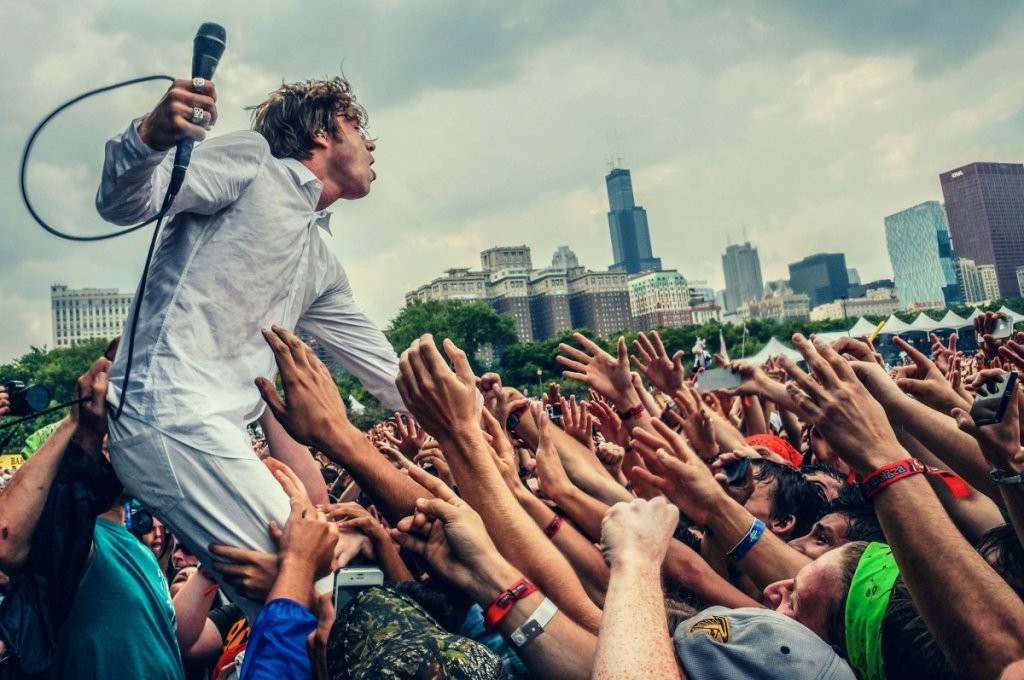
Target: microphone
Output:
[{"x": 207, "y": 48}]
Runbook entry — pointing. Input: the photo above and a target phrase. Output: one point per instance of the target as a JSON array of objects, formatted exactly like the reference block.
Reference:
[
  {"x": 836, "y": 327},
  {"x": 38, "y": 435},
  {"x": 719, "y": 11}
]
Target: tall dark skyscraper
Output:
[
  {"x": 627, "y": 223},
  {"x": 985, "y": 210},
  {"x": 742, "y": 269},
  {"x": 823, "y": 277}
]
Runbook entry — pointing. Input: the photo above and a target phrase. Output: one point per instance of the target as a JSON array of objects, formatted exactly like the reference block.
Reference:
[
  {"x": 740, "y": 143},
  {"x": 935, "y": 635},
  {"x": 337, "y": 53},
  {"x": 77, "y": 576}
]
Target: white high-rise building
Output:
[{"x": 86, "y": 313}]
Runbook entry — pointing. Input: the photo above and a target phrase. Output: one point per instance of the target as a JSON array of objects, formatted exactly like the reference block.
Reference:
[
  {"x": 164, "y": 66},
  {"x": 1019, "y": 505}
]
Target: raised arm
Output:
[
  {"x": 453, "y": 539},
  {"x": 296, "y": 456},
  {"x": 448, "y": 405},
  {"x": 973, "y": 614},
  {"x": 634, "y": 641},
  {"x": 314, "y": 413}
]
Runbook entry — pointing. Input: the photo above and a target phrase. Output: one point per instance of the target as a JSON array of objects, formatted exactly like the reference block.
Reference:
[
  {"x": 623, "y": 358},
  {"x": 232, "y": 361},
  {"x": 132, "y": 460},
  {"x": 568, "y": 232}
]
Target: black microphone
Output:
[{"x": 207, "y": 48}]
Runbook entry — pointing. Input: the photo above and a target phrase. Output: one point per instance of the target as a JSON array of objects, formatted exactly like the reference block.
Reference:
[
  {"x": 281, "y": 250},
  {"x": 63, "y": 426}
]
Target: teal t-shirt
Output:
[{"x": 121, "y": 624}]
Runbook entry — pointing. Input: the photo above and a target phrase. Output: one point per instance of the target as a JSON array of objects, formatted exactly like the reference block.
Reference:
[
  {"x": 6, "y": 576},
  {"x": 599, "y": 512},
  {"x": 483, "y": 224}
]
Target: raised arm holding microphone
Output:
[{"x": 243, "y": 250}]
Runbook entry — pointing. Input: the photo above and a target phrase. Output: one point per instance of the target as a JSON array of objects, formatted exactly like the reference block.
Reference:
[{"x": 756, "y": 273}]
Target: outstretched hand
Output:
[
  {"x": 925, "y": 381},
  {"x": 662, "y": 371},
  {"x": 841, "y": 408},
  {"x": 445, "y": 402},
  {"x": 312, "y": 408},
  {"x": 677, "y": 471},
  {"x": 1000, "y": 442},
  {"x": 606, "y": 374},
  {"x": 449, "y": 534},
  {"x": 577, "y": 421},
  {"x": 408, "y": 438}
]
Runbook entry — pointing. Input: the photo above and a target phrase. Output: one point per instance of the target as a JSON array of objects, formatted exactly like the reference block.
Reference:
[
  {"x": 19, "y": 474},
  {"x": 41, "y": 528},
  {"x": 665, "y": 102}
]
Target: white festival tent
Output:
[
  {"x": 1013, "y": 316},
  {"x": 952, "y": 321},
  {"x": 861, "y": 328},
  {"x": 923, "y": 322},
  {"x": 772, "y": 349},
  {"x": 894, "y": 326}
]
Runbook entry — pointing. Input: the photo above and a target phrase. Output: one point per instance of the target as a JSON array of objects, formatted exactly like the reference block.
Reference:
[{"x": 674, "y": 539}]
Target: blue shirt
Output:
[{"x": 277, "y": 643}]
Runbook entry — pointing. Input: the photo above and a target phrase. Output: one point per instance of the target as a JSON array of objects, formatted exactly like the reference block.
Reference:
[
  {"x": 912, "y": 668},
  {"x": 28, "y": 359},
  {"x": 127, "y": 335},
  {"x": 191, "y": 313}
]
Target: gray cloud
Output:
[{"x": 801, "y": 124}]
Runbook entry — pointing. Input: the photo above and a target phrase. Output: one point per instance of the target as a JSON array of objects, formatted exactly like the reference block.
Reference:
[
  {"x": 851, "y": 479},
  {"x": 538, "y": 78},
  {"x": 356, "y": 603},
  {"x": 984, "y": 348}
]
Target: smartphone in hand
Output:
[
  {"x": 718, "y": 379},
  {"x": 348, "y": 581},
  {"x": 992, "y": 398}
]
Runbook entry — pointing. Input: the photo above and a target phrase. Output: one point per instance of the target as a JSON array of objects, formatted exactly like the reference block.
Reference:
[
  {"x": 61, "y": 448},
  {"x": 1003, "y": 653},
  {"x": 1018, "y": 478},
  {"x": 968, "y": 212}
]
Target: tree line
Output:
[{"x": 489, "y": 339}]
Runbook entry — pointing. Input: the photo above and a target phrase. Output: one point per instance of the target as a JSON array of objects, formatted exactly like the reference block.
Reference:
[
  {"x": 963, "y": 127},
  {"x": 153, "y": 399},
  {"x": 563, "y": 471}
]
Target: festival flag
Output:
[{"x": 723, "y": 351}]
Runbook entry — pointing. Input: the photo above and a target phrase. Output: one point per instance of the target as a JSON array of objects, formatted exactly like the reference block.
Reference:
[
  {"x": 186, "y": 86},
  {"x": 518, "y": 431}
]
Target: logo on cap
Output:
[{"x": 717, "y": 628}]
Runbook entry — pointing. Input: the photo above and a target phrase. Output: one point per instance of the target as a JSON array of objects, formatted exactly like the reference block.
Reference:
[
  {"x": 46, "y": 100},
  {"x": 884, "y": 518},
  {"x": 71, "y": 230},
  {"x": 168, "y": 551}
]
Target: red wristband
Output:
[
  {"x": 884, "y": 476},
  {"x": 503, "y": 604},
  {"x": 553, "y": 526},
  {"x": 630, "y": 413}
]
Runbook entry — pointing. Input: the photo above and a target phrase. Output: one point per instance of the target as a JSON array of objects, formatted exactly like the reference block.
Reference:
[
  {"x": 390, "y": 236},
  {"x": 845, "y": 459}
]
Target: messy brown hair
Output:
[{"x": 295, "y": 112}]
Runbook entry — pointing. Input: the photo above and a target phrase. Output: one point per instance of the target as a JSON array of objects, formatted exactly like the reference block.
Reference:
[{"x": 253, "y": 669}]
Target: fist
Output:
[{"x": 638, "y": 532}]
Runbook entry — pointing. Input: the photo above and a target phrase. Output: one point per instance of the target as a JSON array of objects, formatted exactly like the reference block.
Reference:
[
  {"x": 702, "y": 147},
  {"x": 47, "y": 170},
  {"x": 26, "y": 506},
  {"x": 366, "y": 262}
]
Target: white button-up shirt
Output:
[{"x": 242, "y": 251}]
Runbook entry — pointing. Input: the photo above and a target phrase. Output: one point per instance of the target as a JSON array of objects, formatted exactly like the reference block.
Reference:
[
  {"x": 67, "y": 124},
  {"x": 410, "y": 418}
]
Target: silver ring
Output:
[
  {"x": 197, "y": 115},
  {"x": 198, "y": 84}
]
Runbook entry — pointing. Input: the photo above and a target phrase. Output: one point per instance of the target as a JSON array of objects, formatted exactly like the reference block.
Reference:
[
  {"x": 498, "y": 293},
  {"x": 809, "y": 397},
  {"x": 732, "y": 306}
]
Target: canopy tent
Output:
[
  {"x": 861, "y": 328},
  {"x": 952, "y": 321},
  {"x": 894, "y": 326},
  {"x": 923, "y": 322},
  {"x": 975, "y": 314},
  {"x": 773, "y": 348},
  {"x": 1013, "y": 316}
]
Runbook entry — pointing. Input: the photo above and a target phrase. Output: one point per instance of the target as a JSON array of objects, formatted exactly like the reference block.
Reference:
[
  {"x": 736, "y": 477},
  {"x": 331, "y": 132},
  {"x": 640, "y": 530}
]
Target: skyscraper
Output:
[
  {"x": 985, "y": 207},
  {"x": 821, "y": 276},
  {"x": 627, "y": 223},
  {"x": 922, "y": 256},
  {"x": 743, "y": 282}
]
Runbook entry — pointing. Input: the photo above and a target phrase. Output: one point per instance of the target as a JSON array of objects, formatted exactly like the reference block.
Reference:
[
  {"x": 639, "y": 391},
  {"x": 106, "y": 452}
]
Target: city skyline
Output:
[{"x": 802, "y": 124}]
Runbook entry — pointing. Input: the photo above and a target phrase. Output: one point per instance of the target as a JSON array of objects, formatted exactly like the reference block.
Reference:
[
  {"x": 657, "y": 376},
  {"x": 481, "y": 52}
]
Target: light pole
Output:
[{"x": 540, "y": 388}]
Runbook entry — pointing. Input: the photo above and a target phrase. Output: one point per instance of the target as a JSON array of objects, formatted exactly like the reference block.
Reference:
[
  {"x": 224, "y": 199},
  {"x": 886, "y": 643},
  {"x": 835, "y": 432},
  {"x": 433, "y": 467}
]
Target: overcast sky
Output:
[{"x": 798, "y": 124}]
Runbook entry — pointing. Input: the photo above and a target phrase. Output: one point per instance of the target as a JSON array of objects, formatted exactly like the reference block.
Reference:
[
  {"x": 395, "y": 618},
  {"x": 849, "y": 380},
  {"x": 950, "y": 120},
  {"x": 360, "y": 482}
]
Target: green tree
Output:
[
  {"x": 56, "y": 369},
  {"x": 473, "y": 326}
]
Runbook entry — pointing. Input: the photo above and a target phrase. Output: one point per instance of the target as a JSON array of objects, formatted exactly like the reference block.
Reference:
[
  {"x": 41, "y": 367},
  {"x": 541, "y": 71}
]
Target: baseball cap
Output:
[{"x": 754, "y": 643}]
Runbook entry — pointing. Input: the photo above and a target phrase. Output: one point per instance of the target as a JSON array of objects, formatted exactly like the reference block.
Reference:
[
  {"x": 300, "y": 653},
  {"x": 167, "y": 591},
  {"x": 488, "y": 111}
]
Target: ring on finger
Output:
[
  {"x": 197, "y": 114},
  {"x": 198, "y": 84}
]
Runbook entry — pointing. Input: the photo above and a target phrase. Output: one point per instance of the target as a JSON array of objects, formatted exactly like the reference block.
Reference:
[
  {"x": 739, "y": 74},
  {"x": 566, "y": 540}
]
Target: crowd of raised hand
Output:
[{"x": 836, "y": 518}]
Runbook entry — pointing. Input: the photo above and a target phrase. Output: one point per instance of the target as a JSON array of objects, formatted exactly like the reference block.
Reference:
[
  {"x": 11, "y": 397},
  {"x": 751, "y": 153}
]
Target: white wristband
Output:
[{"x": 534, "y": 626}]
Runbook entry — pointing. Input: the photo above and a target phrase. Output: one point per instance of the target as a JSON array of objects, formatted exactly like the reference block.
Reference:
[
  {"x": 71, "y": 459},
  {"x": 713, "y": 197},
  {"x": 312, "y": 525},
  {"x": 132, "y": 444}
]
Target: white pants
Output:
[{"x": 203, "y": 498}]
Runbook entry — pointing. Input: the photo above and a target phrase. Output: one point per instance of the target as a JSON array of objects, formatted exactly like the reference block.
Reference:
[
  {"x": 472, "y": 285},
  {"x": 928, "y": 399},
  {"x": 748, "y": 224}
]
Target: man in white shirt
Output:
[{"x": 242, "y": 251}]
